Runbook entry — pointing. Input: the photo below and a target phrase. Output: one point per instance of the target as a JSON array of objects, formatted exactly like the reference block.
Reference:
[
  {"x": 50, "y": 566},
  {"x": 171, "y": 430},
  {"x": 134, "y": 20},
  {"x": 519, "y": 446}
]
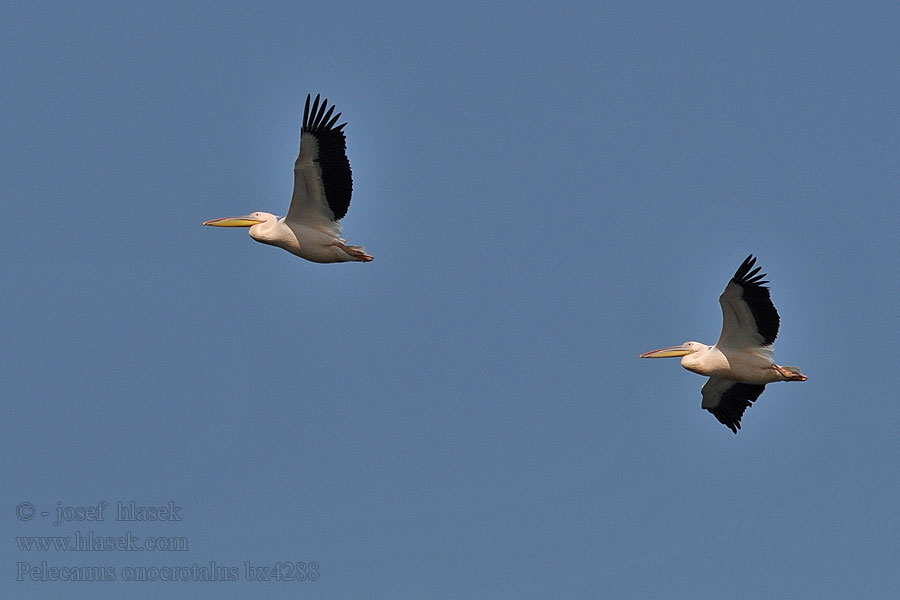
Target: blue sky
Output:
[{"x": 548, "y": 191}]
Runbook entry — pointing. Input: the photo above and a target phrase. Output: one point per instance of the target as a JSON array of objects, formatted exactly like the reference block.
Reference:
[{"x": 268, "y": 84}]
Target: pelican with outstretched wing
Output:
[
  {"x": 322, "y": 188},
  {"x": 740, "y": 364}
]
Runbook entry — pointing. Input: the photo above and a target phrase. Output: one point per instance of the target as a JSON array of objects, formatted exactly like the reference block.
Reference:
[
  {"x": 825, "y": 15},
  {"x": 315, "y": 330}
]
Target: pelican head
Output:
[
  {"x": 245, "y": 221},
  {"x": 673, "y": 351},
  {"x": 262, "y": 225}
]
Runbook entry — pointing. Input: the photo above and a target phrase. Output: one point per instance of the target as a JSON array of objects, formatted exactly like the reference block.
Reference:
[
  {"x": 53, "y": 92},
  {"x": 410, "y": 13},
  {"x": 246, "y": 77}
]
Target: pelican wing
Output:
[
  {"x": 749, "y": 319},
  {"x": 322, "y": 179},
  {"x": 727, "y": 400}
]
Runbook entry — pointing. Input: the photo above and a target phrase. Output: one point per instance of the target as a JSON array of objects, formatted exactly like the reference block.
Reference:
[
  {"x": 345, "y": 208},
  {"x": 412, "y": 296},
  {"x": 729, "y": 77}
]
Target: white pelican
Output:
[
  {"x": 322, "y": 188},
  {"x": 740, "y": 364}
]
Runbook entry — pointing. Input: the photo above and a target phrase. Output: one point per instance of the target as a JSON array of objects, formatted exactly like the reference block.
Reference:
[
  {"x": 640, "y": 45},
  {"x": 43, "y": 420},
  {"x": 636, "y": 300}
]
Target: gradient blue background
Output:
[{"x": 548, "y": 190}]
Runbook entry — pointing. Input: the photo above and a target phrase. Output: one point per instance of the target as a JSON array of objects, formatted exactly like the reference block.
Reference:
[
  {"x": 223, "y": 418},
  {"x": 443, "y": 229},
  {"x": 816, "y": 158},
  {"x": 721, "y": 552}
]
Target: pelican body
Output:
[
  {"x": 740, "y": 365},
  {"x": 323, "y": 185}
]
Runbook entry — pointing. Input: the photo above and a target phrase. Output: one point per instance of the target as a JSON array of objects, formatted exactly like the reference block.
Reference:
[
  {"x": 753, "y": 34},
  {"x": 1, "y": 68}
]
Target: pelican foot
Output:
[
  {"x": 357, "y": 252},
  {"x": 790, "y": 373}
]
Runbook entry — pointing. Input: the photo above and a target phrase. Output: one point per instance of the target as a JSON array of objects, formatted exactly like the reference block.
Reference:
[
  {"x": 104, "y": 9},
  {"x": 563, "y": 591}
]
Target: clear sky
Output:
[{"x": 548, "y": 190}]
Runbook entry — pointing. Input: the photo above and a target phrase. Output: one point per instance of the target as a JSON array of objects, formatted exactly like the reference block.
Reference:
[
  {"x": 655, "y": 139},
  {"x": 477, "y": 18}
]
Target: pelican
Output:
[
  {"x": 740, "y": 364},
  {"x": 322, "y": 188}
]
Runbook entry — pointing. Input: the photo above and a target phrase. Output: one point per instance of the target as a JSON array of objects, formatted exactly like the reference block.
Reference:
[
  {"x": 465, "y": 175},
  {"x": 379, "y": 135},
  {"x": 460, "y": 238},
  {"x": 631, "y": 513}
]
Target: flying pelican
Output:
[
  {"x": 740, "y": 364},
  {"x": 322, "y": 188}
]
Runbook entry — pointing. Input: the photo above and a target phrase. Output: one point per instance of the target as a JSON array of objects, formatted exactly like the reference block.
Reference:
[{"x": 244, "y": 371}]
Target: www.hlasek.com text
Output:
[{"x": 270, "y": 572}]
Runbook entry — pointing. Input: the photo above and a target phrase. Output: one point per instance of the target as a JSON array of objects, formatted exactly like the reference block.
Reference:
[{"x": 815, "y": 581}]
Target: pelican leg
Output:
[
  {"x": 356, "y": 252},
  {"x": 789, "y": 373}
]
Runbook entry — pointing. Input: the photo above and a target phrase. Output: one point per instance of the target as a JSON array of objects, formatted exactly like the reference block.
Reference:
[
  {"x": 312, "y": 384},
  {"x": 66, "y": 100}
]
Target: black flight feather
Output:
[
  {"x": 756, "y": 295},
  {"x": 337, "y": 178},
  {"x": 734, "y": 401}
]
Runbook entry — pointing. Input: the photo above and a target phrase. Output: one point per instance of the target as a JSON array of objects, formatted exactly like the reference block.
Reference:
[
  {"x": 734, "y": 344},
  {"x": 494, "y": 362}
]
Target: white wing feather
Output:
[
  {"x": 738, "y": 325},
  {"x": 308, "y": 204}
]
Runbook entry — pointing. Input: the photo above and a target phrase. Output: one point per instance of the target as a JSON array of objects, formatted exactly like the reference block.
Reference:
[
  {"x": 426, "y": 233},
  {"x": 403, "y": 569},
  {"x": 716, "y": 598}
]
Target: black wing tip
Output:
[
  {"x": 330, "y": 152},
  {"x": 735, "y": 400},
  {"x": 318, "y": 118},
  {"x": 744, "y": 275},
  {"x": 756, "y": 294},
  {"x": 730, "y": 421}
]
